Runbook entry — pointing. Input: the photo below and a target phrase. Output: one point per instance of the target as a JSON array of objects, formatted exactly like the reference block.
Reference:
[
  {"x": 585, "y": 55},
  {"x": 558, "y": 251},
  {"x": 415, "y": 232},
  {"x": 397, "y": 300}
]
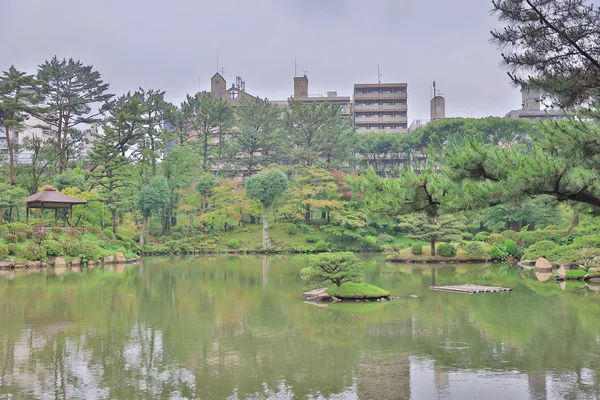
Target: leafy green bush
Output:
[
  {"x": 109, "y": 233},
  {"x": 321, "y": 246},
  {"x": 474, "y": 250},
  {"x": 71, "y": 246},
  {"x": 467, "y": 236},
  {"x": 481, "y": 237},
  {"x": 510, "y": 234},
  {"x": 56, "y": 229},
  {"x": 53, "y": 248},
  {"x": 18, "y": 227},
  {"x": 553, "y": 236},
  {"x": 511, "y": 248},
  {"x": 496, "y": 239},
  {"x": 3, "y": 251},
  {"x": 388, "y": 248},
  {"x": 187, "y": 248},
  {"x": 304, "y": 227},
  {"x": 416, "y": 248},
  {"x": 89, "y": 251},
  {"x": 233, "y": 244},
  {"x": 29, "y": 233},
  {"x": 385, "y": 238},
  {"x": 498, "y": 253},
  {"x": 551, "y": 228},
  {"x": 446, "y": 250},
  {"x": 12, "y": 249},
  {"x": 10, "y": 238},
  {"x": 335, "y": 269},
  {"x": 290, "y": 229},
  {"x": 371, "y": 231},
  {"x": 370, "y": 240},
  {"x": 545, "y": 248},
  {"x": 34, "y": 252},
  {"x": 311, "y": 238},
  {"x": 3, "y": 229},
  {"x": 529, "y": 238},
  {"x": 176, "y": 236}
]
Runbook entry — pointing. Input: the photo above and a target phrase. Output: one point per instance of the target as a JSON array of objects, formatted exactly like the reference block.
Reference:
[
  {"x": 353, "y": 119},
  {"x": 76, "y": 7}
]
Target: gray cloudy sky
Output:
[{"x": 173, "y": 46}]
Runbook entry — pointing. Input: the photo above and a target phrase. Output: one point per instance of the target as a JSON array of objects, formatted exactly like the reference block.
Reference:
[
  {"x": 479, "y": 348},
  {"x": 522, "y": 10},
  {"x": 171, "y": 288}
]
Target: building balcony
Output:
[
  {"x": 394, "y": 107},
  {"x": 394, "y": 120},
  {"x": 374, "y": 107},
  {"x": 370, "y": 96},
  {"x": 368, "y": 120}
]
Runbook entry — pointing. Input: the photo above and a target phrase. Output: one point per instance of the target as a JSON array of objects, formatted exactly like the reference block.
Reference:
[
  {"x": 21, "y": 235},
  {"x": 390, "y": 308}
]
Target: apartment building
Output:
[
  {"x": 381, "y": 107},
  {"x": 301, "y": 94}
]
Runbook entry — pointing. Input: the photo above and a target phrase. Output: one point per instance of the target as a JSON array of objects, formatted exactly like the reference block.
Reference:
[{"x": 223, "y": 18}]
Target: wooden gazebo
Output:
[{"x": 52, "y": 199}]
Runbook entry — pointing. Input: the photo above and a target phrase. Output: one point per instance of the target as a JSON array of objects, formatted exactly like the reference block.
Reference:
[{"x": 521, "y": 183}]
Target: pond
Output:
[{"x": 234, "y": 327}]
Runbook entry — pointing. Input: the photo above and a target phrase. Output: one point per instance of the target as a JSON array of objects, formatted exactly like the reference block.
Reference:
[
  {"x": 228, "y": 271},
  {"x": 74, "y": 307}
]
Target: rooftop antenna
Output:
[
  {"x": 305, "y": 72},
  {"x": 434, "y": 89},
  {"x": 378, "y": 74},
  {"x": 222, "y": 71}
]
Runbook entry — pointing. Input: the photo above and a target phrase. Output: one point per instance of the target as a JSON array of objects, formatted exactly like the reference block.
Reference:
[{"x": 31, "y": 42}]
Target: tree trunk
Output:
[
  {"x": 432, "y": 244},
  {"x": 114, "y": 221},
  {"x": 574, "y": 220},
  {"x": 265, "y": 218},
  {"x": 11, "y": 157},
  {"x": 307, "y": 213},
  {"x": 144, "y": 227}
]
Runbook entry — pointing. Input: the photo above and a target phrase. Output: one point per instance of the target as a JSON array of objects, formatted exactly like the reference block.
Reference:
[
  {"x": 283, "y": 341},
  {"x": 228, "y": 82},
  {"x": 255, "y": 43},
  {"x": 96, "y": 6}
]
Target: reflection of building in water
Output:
[
  {"x": 442, "y": 378},
  {"x": 383, "y": 376},
  {"x": 537, "y": 386}
]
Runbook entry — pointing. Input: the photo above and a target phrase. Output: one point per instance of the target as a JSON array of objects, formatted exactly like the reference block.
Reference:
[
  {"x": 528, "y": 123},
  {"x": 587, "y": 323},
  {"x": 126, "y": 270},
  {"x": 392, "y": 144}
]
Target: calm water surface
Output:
[{"x": 232, "y": 327}]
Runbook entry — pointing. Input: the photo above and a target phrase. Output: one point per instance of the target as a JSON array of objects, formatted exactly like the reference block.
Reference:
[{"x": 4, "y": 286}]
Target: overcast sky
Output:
[{"x": 173, "y": 46}]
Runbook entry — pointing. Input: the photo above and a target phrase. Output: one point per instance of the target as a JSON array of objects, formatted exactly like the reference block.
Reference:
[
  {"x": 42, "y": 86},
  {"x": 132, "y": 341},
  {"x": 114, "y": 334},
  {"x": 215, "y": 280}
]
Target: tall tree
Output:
[
  {"x": 126, "y": 121},
  {"x": 207, "y": 117},
  {"x": 70, "y": 89},
  {"x": 153, "y": 139},
  {"x": 319, "y": 133},
  {"x": 18, "y": 100},
  {"x": 256, "y": 136},
  {"x": 552, "y": 46},
  {"x": 266, "y": 186},
  {"x": 152, "y": 199}
]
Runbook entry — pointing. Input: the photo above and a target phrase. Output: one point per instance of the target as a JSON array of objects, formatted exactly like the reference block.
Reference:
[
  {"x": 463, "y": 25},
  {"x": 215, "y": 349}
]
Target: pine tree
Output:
[
  {"x": 18, "y": 100},
  {"x": 69, "y": 90}
]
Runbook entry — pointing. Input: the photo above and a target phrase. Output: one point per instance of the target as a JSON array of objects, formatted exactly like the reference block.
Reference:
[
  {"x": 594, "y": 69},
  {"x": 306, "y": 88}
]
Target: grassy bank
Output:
[
  {"x": 350, "y": 290},
  {"x": 406, "y": 255}
]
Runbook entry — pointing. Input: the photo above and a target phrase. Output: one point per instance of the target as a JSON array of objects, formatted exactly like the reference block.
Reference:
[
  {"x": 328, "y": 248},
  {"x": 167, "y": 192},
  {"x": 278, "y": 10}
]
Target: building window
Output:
[{"x": 233, "y": 94}]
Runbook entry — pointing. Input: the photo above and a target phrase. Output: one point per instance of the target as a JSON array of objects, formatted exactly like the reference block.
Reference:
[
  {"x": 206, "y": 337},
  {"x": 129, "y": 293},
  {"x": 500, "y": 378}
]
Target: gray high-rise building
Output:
[{"x": 381, "y": 107}]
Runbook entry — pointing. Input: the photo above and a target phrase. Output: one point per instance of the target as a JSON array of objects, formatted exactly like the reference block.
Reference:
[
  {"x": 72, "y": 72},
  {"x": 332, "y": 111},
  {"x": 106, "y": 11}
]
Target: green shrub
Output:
[
  {"x": 370, "y": 240},
  {"x": 10, "y": 238},
  {"x": 496, "y": 239},
  {"x": 401, "y": 246},
  {"x": 481, "y": 237},
  {"x": 385, "y": 238},
  {"x": 109, "y": 233},
  {"x": 551, "y": 228},
  {"x": 56, "y": 229},
  {"x": 545, "y": 248},
  {"x": 187, "y": 248},
  {"x": 334, "y": 269},
  {"x": 553, "y": 236},
  {"x": 18, "y": 227},
  {"x": 34, "y": 252},
  {"x": 321, "y": 246},
  {"x": 71, "y": 246},
  {"x": 12, "y": 249},
  {"x": 529, "y": 238},
  {"x": 511, "y": 248},
  {"x": 474, "y": 250},
  {"x": 233, "y": 244},
  {"x": 176, "y": 236},
  {"x": 416, "y": 248},
  {"x": 498, "y": 253},
  {"x": 53, "y": 248},
  {"x": 510, "y": 234},
  {"x": 371, "y": 231},
  {"x": 28, "y": 233},
  {"x": 304, "y": 227},
  {"x": 388, "y": 248},
  {"x": 89, "y": 251},
  {"x": 290, "y": 229},
  {"x": 3, "y": 229},
  {"x": 446, "y": 250},
  {"x": 311, "y": 239},
  {"x": 3, "y": 251},
  {"x": 468, "y": 236}
]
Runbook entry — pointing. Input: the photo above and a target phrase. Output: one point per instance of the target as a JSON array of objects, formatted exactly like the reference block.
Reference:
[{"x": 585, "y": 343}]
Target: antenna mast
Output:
[
  {"x": 378, "y": 75},
  {"x": 434, "y": 93}
]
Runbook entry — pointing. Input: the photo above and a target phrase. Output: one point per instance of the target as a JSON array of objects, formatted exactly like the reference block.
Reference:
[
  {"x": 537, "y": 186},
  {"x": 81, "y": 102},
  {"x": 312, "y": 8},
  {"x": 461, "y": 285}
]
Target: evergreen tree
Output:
[
  {"x": 18, "y": 100},
  {"x": 69, "y": 90},
  {"x": 153, "y": 198}
]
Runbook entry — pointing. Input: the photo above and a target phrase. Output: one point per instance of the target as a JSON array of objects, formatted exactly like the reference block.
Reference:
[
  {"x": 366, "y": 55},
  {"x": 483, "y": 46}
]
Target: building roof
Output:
[
  {"x": 535, "y": 113},
  {"x": 379, "y": 85},
  {"x": 51, "y": 198}
]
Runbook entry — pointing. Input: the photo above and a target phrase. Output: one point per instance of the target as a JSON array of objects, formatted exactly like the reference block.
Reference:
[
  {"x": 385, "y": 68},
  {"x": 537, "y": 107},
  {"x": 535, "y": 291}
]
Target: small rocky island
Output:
[{"x": 338, "y": 277}]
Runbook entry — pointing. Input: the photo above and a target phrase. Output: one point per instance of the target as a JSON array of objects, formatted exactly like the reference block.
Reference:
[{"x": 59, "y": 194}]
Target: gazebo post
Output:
[
  {"x": 56, "y": 217},
  {"x": 27, "y": 215},
  {"x": 71, "y": 216},
  {"x": 42, "y": 217}
]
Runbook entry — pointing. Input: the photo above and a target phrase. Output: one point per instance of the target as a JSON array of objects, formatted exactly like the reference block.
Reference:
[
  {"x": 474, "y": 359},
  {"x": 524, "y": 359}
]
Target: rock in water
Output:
[
  {"x": 316, "y": 295},
  {"x": 561, "y": 271},
  {"x": 109, "y": 259},
  {"x": 120, "y": 258},
  {"x": 60, "y": 262},
  {"x": 542, "y": 263}
]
